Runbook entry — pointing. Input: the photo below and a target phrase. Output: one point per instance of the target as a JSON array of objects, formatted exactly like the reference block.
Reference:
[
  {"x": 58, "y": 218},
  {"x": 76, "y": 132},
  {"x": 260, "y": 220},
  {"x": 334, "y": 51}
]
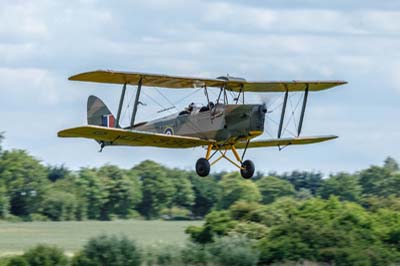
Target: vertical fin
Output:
[{"x": 98, "y": 113}]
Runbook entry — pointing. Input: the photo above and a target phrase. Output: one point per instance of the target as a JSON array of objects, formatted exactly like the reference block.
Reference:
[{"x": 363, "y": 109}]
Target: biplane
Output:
[{"x": 219, "y": 126}]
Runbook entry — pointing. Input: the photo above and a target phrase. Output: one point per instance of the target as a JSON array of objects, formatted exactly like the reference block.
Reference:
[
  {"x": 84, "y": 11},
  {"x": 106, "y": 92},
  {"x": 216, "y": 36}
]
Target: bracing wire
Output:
[
  {"x": 166, "y": 98},
  {"x": 187, "y": 96},
  {"x": 292, "y": 117},
  {"x": 127, "y": 107}
]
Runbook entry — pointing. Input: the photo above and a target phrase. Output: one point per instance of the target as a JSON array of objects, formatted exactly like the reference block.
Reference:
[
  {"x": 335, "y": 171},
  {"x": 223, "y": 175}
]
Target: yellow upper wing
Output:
[
  {"x": 284, "y": 142},
  {"x": 118, "y": 136},
  {"x": 175, "y": 82},
  {"x": 282, "y": 86},
  {"x": 152, "y": 80}
]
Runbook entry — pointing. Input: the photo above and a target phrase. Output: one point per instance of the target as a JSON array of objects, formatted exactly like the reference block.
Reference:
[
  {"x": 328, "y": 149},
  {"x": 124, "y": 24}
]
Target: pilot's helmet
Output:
[{"x": 191, "y": 106}]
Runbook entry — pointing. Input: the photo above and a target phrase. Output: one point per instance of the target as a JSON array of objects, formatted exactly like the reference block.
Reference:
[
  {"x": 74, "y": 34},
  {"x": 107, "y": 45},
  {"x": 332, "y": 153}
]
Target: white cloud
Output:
[
  {"x": 311, "y": 20},
  {"x": 22, "y": 19}
]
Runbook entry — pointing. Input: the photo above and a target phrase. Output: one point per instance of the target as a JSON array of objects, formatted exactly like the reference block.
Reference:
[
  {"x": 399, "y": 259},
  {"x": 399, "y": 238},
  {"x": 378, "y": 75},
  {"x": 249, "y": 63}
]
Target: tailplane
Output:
[{"x": 98, "y": 113}]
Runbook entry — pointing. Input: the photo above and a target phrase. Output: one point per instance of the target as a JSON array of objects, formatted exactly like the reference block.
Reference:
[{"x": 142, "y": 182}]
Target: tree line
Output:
[
  {"x": 30, "y": 190},
  {"x": 344, "y": 219}
]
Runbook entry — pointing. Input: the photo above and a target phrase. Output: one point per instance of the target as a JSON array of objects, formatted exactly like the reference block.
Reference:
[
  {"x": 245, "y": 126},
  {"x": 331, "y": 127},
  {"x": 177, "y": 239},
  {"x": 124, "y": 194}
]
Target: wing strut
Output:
[
  {"x": 283, "y": 114},
  {"x": 208, "y": 103},
  {"x": 303, "y": 109},
  {"x": 121, "y": 102},
  {"x": 136, "y": 102}
]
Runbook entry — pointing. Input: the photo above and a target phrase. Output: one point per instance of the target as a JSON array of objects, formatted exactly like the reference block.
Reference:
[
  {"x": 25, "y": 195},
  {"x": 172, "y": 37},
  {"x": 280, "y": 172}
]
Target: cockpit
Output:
[{"x": 192, "y": 107}]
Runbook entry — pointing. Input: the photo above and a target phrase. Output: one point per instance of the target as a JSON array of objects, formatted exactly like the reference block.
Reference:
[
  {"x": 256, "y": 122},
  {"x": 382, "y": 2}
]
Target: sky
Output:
[{"x": 43, "y": 42}]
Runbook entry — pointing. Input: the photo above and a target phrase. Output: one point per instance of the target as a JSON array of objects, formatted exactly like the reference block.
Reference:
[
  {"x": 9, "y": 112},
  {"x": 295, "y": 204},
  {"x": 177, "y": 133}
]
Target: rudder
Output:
[{"x": 98, "y": 113}]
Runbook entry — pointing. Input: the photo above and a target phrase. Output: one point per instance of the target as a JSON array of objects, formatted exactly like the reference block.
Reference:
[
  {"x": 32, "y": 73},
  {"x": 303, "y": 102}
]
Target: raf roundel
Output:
[{"x": 169, "y": 131}]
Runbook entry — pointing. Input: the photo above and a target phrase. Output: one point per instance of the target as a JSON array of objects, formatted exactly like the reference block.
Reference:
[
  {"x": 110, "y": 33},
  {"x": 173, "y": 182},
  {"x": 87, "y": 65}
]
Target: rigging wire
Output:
[
  {"x": 166, "y": 98},
  {"x": 276, "y": 123},
  {"x": 155, "y": 101},
  {"x": 127, "y": 107},
  {"x": 187, "y": 96},
  {"x": 292, "y": 117}
]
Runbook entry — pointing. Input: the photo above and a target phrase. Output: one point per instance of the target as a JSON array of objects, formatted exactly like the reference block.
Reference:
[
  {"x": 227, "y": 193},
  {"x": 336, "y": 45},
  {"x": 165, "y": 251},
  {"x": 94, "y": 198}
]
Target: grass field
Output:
[{"x": 17, "y": 237}]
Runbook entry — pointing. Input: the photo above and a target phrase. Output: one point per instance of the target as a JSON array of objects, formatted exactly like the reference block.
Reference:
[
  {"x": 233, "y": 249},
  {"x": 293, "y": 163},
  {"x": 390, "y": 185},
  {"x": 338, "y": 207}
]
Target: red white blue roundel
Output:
[{"x": 168, "y": 131}]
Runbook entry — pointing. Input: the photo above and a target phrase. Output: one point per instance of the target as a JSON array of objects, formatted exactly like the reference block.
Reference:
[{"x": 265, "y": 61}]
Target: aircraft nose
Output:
[{"x": 258, "y": 117}]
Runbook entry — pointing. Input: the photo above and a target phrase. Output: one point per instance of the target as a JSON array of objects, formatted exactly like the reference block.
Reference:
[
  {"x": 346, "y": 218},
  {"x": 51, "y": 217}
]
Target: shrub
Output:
[
  {"x": 59, "y": 206},
  {"x": 163, "y": 255},
  {"x": 108, "y": 250},
  {"x": 233, "y": 251},
  {"x": 17, "y": 261},
  {"x": 13, "y": 218},
  {"x": 37, "y": 217},
  {"x": 176, "y": 213},
  {"x": 195, "y": 254},
  {"x": 45, "y": 255}
]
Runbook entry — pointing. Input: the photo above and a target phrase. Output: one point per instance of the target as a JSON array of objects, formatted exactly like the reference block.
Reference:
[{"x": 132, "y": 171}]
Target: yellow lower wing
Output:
[
  {"x": 117, "y": 136},
  {"x": 284, "y": 142}
]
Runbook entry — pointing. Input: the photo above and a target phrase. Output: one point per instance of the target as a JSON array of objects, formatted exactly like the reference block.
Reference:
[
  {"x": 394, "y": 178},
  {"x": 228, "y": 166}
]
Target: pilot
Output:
[{"x": 191, "y": 107}]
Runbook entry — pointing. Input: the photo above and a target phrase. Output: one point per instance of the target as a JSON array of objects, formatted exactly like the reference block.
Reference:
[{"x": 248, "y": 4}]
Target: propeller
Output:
[{"x": 266, "y": 102}]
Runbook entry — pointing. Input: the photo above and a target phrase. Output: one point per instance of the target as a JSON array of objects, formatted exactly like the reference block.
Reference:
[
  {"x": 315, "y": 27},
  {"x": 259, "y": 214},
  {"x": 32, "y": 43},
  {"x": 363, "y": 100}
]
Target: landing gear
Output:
[
  {"x": 202, "y": 167},
  {"x": 246, "y": 167},
  {"x": 247, "y": 170}
]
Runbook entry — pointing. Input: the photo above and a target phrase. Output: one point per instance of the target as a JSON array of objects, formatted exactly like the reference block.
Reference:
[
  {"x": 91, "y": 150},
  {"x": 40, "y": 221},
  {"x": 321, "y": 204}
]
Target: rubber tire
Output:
[
  {"x": 202, "y": 167},
  {"x": 248, "y": 172}
]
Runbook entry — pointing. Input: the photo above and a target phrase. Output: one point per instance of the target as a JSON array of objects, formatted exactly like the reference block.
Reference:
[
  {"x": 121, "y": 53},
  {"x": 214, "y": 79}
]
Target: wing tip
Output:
[{"x": 76, "y": 77}]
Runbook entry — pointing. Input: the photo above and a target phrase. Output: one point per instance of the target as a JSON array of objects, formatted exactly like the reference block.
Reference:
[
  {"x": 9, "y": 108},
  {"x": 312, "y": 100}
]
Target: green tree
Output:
[
  {"x": 17, "y": 261},
  {"x": 124, "y": 192},
  {"x": 308, "y": 180},
  {"x": 375, "y": 204},
  {"x": 328, "y": 231},
  {"x": 44, "y": 255},
  {"x": 391, "y": 164},
  {"x": 94, "y": 192},
  {"x": 184, "y": 195},
  {"x": 233, "y": 251},
  {"x": 236, "y": 188},
  {"x": 218, "y": 223},
  {"x": 207, "y": 194},
  {"x": 59, "y": 206},
  {"x": 272, "y": 188},
  {"x": 380, "y": 181},
  {"x": 158, "y": 190},
  {"x": 70, "y": 185},
  {"x": 303, "y": 194},
  {"x": 342, "y": 185},
  {"x": 109, "y": 250},
  {"x": 1, "y": 140},
  {"x": 57, "y": 172},
  {"x": 25, "y": 179},
  {"x": 4, "y": 203}
]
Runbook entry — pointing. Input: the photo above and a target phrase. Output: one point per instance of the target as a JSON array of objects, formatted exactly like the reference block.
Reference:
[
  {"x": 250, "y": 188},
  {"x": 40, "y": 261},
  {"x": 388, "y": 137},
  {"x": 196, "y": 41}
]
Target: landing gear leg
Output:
[{"x": 247, "y": 167}]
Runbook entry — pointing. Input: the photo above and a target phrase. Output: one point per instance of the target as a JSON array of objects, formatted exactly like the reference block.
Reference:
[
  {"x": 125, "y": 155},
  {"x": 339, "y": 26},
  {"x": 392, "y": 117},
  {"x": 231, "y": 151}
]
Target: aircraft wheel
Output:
[
  {"x": 248, "y": 170},
  {"x": 202, "y": 167}
]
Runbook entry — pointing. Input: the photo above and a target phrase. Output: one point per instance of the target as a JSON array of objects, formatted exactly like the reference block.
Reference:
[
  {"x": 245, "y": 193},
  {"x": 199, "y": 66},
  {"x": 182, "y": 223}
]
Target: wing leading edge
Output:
[
  {"x": 176, "y": 82},
  {"x": 284, "y": 142},
  {"x": 132, "y": 138}
]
